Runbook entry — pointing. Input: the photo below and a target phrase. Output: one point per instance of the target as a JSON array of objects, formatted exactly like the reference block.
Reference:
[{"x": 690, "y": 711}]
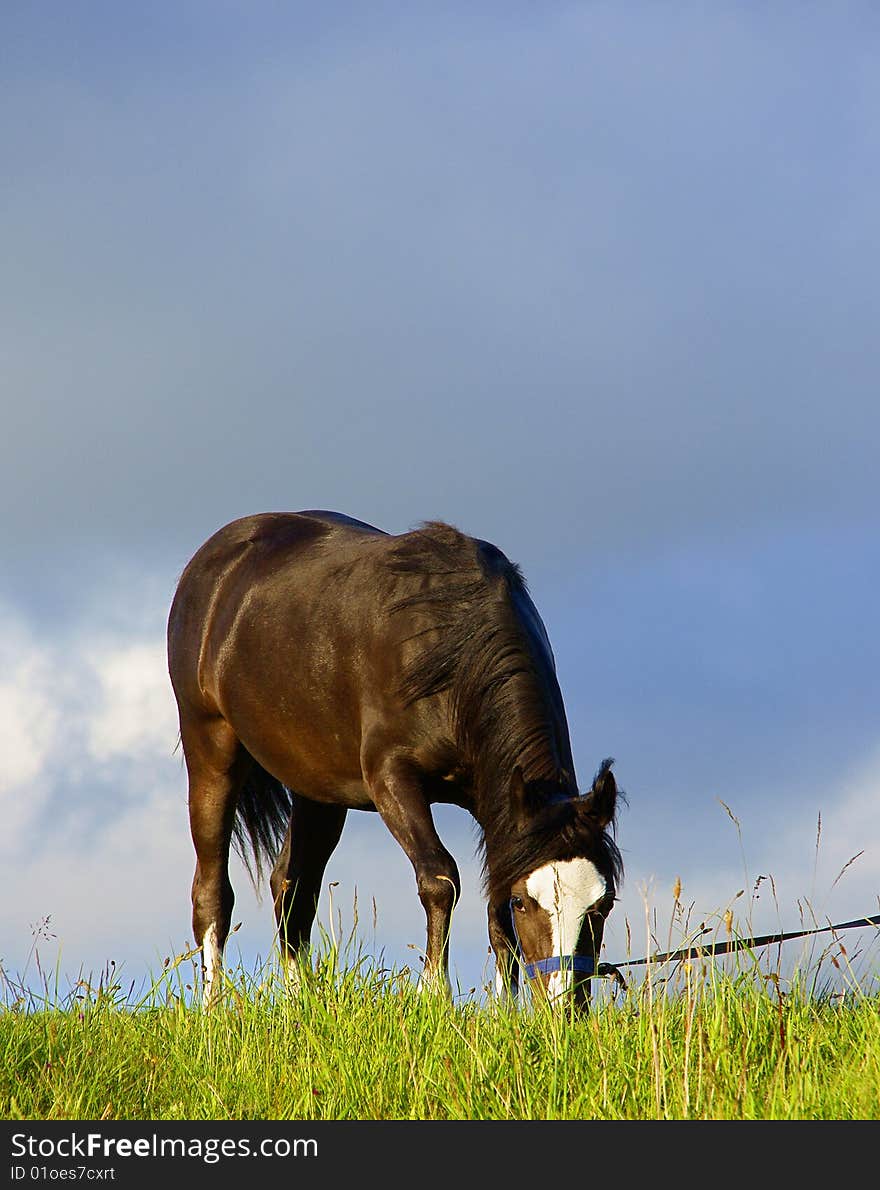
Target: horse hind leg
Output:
[
  {"x": 312, "y": 835},
  {"x": 216, "y": 765}
]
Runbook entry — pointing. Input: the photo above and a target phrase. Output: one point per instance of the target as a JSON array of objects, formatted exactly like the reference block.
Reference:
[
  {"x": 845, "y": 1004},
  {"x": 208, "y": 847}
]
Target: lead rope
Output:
[
  {"x": 715, "y": 948},
  {"x": 586, "y": 965}
]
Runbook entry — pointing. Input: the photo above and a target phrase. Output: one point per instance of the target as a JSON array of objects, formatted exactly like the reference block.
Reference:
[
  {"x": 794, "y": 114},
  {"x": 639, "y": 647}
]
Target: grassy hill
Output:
[{"x": 696, "y": 1041}]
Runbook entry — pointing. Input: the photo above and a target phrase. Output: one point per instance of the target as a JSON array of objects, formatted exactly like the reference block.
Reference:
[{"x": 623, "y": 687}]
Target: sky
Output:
[{"x": 595, "y": 282}]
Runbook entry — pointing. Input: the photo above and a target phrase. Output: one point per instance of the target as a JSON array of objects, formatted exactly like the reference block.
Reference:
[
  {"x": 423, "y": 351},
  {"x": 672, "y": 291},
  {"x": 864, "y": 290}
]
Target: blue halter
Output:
[{"x": 581, "y": 963}]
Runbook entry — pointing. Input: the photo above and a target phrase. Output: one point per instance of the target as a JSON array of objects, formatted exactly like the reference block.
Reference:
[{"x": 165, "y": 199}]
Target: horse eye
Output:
[{"x": 517, "y": 903}]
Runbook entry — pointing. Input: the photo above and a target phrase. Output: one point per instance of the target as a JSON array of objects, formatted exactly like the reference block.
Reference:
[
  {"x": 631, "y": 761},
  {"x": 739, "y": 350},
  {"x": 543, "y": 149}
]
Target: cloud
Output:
[
  {"x": 28, "y": 724},
  {"x": 846, "y": 844},
  {"x": 135, "y": 716},
  {"x": 88, "y": 786},
  {"x": 28, "y": 717}
]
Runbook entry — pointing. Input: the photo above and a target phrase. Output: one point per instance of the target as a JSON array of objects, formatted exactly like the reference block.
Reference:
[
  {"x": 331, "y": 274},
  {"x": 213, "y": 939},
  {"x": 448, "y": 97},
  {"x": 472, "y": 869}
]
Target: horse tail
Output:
[{"x": 261, "y": 820}]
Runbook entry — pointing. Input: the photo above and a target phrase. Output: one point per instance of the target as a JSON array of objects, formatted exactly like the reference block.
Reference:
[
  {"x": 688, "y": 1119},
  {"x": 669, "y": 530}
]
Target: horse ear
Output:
[
  {"x": 601, "y": 801},
  {"x": 519, "y": 796}
]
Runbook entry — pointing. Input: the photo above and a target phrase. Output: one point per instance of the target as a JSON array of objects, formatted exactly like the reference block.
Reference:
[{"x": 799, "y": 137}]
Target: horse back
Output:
[{"x": 280, "y": 625}]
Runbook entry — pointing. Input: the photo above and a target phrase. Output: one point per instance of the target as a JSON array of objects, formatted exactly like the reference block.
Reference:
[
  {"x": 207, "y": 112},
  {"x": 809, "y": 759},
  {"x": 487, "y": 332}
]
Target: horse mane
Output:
[
  {"x": 505, "y": 703},
  {"x": 464, "y": 585},
  {"x": 466, "y": 596}
]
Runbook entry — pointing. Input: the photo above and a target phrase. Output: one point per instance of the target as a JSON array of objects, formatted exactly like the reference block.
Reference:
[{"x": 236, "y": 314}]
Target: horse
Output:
[{"x": 322, "y": 665}]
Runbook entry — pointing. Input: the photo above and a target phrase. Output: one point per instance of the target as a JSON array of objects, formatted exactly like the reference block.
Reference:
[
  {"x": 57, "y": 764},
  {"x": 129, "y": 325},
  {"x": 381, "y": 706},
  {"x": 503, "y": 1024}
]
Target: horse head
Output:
[{"x": 559, "y": 905}]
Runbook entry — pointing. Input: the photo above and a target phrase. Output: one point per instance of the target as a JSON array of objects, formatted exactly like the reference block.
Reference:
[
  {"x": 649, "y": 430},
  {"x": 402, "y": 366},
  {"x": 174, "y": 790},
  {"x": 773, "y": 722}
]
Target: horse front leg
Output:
[
  {"x": 399, "y": 796},
  {"x": 501, "y": 938}
]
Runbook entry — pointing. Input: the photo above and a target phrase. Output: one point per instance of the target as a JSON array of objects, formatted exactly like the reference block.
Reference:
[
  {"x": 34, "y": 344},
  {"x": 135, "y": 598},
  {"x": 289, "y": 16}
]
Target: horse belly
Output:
[
  {"x": 330, "y": 777},
  {"x": 307, "y": 739}
]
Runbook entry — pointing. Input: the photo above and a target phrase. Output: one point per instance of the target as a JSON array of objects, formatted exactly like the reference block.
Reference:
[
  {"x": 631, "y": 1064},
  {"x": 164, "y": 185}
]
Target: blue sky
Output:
[{"x": 596, "y": 282}]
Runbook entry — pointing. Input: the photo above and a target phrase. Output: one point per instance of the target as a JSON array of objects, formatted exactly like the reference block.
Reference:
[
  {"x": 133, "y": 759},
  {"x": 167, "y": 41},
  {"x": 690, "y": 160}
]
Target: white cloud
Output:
[
  {"x": 28, "y": 723},
  {"x": 135, "y": 716},
  {"x": 848, "y": 847},
  {"x": 80, "y": 708}
]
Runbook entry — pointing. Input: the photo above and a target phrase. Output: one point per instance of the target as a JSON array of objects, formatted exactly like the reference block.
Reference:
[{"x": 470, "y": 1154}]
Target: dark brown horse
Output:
[{"x": 321, "y": 666}]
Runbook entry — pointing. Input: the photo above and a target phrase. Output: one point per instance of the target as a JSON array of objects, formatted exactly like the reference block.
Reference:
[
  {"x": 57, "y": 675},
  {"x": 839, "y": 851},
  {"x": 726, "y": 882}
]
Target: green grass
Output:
[{"x": 693, "y": 1042}]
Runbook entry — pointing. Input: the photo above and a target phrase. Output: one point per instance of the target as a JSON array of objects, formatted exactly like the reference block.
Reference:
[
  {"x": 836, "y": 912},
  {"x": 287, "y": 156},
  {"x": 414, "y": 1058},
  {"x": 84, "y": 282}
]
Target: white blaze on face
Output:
[{"x": 565, "y": 890}]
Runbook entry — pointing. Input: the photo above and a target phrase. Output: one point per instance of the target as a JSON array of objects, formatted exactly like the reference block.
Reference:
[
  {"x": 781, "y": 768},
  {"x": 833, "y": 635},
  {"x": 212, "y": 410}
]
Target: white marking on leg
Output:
[
  {"x": 501, "y": 983},
  {"x": 566, "y": 890},
  {"x": 432, "y": 980},
  {"x": 293, "y": 974},
  {"x": 505, "y": 990},
  {"x": 212, "y": 962}
]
